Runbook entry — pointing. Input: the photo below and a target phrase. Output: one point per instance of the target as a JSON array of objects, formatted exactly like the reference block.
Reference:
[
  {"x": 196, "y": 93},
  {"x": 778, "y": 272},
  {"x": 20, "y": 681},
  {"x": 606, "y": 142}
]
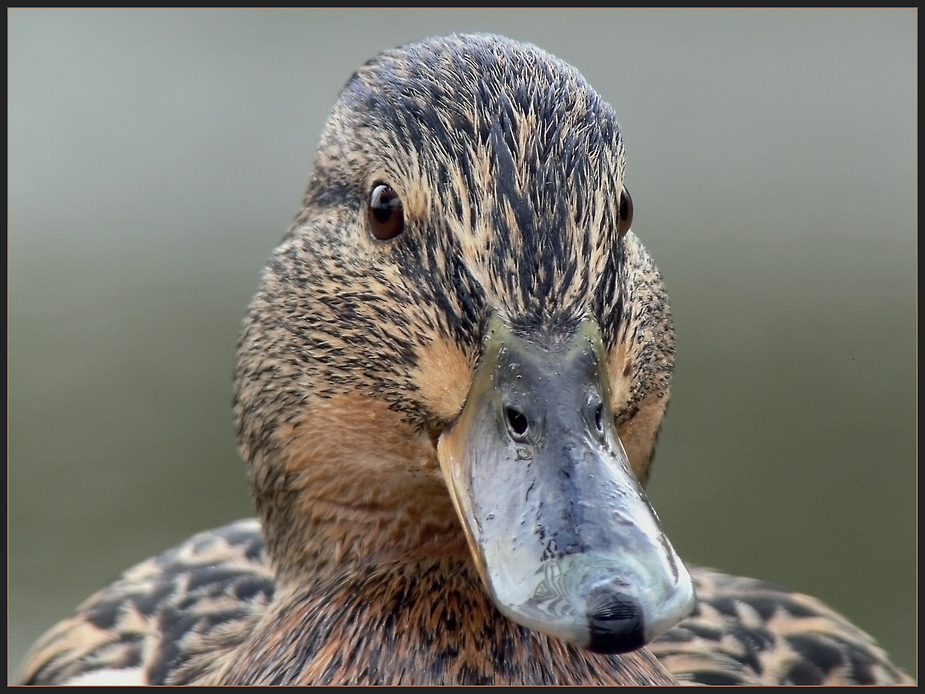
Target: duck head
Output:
[{"x": 460, "y": 350}]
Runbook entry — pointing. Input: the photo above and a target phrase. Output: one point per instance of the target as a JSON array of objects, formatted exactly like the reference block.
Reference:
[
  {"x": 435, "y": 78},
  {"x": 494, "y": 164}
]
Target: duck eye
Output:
[
  {"x": 385, "y": 212},
  {"x": 626, "y": 212}
]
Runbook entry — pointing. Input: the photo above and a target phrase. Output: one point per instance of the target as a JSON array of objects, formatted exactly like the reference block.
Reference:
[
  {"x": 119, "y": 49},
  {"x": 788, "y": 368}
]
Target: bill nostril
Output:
[
  {"x": 593, "y": 413},
  {"x": 517, "y": 423}
]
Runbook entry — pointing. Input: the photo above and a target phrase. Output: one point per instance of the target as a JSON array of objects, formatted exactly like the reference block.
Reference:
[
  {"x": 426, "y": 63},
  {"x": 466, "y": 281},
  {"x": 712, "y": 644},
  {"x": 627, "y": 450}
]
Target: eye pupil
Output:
[
  {"x": 383, "y": 213},
  {"x": 386, "y": 213},
  {"x": 625, "y": 213}
]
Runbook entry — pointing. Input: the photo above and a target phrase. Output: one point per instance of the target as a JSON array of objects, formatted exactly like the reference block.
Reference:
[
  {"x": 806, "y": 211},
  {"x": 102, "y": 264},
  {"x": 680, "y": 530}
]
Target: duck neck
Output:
[{"x": 422, "y": 622}]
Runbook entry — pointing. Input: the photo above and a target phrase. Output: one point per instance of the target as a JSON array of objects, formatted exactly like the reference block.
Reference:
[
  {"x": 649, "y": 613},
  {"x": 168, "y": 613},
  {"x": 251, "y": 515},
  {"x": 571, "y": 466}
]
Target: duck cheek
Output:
[{"x": 557, "y": 524}]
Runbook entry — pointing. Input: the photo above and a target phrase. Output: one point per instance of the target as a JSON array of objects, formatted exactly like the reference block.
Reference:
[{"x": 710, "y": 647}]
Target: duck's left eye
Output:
[
  {"x": 626, "y": 212},
  {"x": 386, "y": 213}
]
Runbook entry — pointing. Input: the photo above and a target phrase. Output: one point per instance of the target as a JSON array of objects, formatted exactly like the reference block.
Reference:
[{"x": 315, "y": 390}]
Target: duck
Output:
[{"x": 448, "y": 394}]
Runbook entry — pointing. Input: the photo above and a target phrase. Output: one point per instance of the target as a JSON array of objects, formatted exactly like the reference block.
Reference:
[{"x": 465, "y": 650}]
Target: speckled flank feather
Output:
[
  {"x": 358, "y": 353},
  {"x": 157, "y": 615},
  {"x": 751, "y": 632}
]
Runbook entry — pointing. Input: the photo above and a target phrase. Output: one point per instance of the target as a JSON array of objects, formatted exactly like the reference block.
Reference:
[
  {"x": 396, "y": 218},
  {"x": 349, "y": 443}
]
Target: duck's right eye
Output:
[
  {"x": 626, "y": 212},
  {"x": 385, "y": 212}
]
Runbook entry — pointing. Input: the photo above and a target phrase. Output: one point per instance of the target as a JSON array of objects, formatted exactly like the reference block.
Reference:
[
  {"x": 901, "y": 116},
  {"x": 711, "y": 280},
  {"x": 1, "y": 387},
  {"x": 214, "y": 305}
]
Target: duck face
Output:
[{"x": 460, "y": 351}]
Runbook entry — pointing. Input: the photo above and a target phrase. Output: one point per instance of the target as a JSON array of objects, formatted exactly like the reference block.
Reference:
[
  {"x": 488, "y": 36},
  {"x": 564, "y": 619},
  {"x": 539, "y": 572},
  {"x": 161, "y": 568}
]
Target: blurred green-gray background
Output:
[{"x": 156, "y": 158}]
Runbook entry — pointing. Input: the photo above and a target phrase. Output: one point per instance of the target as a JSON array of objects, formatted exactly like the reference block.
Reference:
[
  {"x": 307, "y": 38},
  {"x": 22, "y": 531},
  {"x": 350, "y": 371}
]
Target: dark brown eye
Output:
[
  {"x": 626, "y": 212},
  {"x": 386, "y": 214}
]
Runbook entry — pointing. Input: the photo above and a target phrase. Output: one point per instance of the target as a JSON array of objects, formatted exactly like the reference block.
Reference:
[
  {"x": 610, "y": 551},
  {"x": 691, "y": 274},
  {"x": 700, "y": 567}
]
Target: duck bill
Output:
[{"x": 559, "y": 528}]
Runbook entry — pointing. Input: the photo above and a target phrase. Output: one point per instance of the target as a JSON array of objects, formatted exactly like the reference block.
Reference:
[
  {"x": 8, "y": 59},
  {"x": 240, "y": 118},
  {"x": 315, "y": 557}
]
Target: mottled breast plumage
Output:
[{"x": 171, "y": 618}]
